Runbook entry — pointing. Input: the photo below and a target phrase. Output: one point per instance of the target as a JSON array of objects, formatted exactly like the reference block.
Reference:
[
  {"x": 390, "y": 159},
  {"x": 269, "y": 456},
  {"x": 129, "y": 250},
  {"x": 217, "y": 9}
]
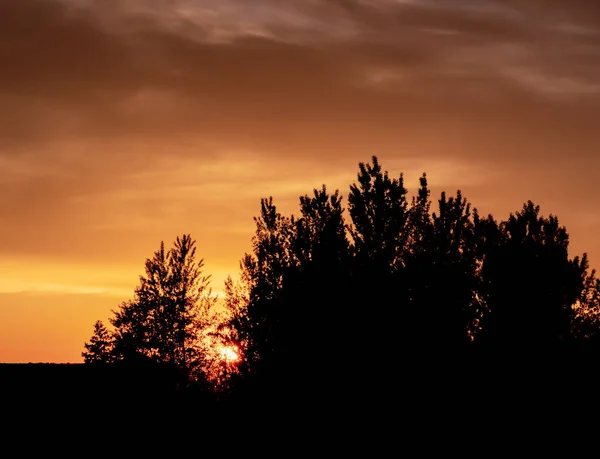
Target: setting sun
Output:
[{"x": 229, "y": 354}]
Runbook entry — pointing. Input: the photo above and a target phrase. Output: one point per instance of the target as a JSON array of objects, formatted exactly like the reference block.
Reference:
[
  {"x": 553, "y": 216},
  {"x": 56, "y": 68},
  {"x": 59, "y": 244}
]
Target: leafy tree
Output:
[
  {"x": 262, "y": 329},
  {"x": 191, "y": 311},
  {"x": 379, "y": 230},
  {"x": 586, "y": 320},
  {"x": 292, "y": 311},
  {"x": 99, "y": 349},
  {"x": 401, "y": 277},
  {"x": 489, "y": 236},
  {"x": 419, "y": 217},
  {"x": 317, "y": 288},
  {"x": 443, "y": 271},
  {"x": 131, "y": 332},
  {"x": 378, "y": 208},
  {"x": 320, "y": 232},
  {"x": 531, "y": 283},
  {"x": 171, "y": 308}
]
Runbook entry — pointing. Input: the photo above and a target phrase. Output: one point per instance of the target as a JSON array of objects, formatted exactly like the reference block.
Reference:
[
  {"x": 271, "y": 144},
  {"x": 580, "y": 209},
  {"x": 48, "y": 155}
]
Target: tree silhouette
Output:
[
  {"x": 262, "y": 330},
  {"x": 379, "y": 212},
  {"x": 586, "y": 320},
  {"x": 378, "y": 208},
  {"x": 170, "y": 309},
  {"x": 100, "y": 347},
  {"x": 442, "y": 272},
  {"x": 318, "y": 285},
  {"x": 531, "y": 284},
  {"x": 404, "y": 285},
  {"x": 297, "y": 277}
]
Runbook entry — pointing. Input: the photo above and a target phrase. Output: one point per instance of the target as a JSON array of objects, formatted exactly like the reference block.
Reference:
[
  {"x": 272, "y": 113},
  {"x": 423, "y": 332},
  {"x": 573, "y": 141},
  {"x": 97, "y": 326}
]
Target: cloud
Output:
[
  {"x": 159, "y": 56},
  {"x": 39, "y": 276},
  {"x": 120, "y": 114},
  {"x": 129, "y": 82}
]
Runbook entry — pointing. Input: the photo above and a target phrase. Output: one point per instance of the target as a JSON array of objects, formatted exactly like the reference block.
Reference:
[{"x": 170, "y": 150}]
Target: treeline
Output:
[{"x": 400, "y": 280}]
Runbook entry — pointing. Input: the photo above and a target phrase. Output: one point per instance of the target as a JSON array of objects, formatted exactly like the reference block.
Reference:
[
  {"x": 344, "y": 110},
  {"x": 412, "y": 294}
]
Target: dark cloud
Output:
[
  {"x": 471, "y": 80},
  {"x": 82, "y": 71},
  {"x": 99, "y": 91}
]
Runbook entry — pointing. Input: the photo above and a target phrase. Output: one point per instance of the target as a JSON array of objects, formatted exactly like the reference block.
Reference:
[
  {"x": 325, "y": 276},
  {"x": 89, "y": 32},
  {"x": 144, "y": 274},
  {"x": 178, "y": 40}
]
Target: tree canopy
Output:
[
  {"x": 164, "y": 322},
  {"x": 390, "y": 278}
]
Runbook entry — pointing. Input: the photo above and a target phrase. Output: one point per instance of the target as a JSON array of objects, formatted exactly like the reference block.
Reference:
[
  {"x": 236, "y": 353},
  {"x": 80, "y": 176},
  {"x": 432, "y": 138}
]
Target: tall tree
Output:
[
  {"x": 163, "y": 323},
  {"x": 489, "y": 238},
  {"x": 318, "y": 287},
  {"x": 297, "y": 278},
  {"x": 191, "y": 304},
  {"x": 443, "y": 274},
  {"x": 264, "y": 270},
  {"x": 379, "y": 212},
  {"x": 531, "y": 283}
]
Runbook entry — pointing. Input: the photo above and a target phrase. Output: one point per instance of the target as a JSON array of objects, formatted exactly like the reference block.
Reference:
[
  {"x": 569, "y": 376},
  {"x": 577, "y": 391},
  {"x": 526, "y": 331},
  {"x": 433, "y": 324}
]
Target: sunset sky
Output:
[{"x": 128, "y": 122}]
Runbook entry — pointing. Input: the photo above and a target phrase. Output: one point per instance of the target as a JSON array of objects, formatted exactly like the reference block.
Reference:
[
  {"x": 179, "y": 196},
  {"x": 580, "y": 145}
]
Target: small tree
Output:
[
  {"x": 100, "y": 347},
  {"x": 171, "y": 307}
]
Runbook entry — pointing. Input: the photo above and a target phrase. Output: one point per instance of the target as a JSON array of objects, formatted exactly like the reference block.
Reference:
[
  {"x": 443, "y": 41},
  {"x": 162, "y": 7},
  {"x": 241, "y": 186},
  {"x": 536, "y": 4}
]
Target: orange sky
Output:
[{"x": 128, "y": 122}]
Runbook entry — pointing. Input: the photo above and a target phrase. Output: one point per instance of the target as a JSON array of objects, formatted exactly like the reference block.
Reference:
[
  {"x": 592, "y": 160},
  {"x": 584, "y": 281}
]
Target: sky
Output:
[{"x": 124, "y": 123}]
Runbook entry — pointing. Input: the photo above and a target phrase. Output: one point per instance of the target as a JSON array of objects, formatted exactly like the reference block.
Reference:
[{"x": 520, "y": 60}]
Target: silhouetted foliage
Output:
[
  {"x": 379, "y": 212},
  {"x": 442, "y": 273},
  {"x": 586, "y": 319},
  {"x": 164, "y": 322},
  {"x": 100, "y": 347},
  {"x": 403, "y": 285},
  {"x": 378, "y": 207},
  {"x": 266, "y": 328},
  {"x": 318, "y": 285},
  {"x": 531, "y": 284},
  {"x": 401, "y": 279}
]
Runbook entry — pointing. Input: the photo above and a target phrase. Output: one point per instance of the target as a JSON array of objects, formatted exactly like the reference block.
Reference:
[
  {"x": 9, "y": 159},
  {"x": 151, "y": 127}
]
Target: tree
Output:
[
  {"x": 317, "y": 287},
  {"x": 379, "y": 230},
  {"x": 294, "y": 309},
  {"x": 442, "y": 270},
  {"x": 379, "y": 211},
  {"x": 586, "y": 320},
  {"x": 171, "y": 307},
  {"x": 191, "y": 305},
  {"x": 99, "y": 349},
  {"x": 261, "y": 324},
  {"x": 530, "y": 283}
]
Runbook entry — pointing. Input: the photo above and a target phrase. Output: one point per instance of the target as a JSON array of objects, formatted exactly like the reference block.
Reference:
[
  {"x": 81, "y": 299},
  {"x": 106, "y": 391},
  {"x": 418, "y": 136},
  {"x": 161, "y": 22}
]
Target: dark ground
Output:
[{"x": 428, "y": 404}]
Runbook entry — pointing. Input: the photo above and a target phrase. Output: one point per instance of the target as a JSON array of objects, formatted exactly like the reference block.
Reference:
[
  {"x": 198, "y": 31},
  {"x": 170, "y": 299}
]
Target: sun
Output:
[{"x": 229, "y": 354}]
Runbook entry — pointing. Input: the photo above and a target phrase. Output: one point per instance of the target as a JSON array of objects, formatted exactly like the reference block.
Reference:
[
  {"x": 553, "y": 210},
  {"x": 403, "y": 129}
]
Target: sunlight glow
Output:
[{"x": 229, "y": 354}]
